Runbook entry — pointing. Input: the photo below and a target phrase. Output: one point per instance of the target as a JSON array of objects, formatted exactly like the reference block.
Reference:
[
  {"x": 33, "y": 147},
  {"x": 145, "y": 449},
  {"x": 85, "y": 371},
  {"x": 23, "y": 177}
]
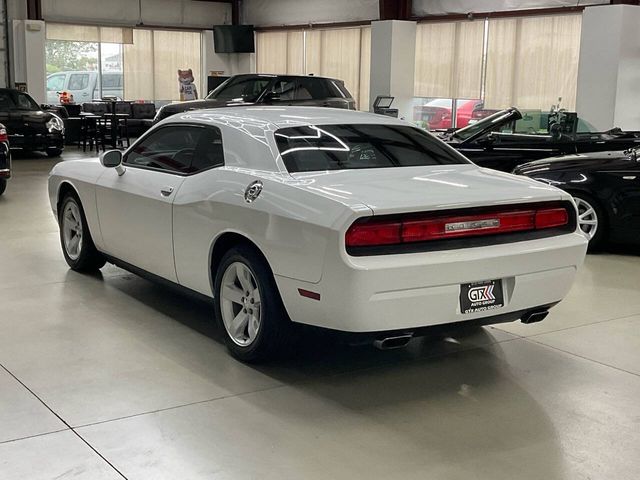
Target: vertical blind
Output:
[
  {"x": 449, "y": 59},
  {"x": 342, "y": 53},
  {"x": 152, "y": 61},
  {"x": 529, "y": 61},
  {"x": 532, "y": 61}
]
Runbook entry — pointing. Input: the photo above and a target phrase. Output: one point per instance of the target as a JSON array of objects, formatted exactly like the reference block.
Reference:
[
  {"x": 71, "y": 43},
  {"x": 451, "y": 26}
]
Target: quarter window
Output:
[
  {"x": 78, "y": 81},
  {"x": 181, "y": 149},
  {"x": 55, "y": 83}
]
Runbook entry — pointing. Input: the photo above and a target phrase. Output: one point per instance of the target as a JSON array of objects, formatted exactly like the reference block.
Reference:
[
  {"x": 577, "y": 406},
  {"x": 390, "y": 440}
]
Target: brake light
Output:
[
  {"x": 425, "y": 227},
  {"x": 3, "y": 135}
]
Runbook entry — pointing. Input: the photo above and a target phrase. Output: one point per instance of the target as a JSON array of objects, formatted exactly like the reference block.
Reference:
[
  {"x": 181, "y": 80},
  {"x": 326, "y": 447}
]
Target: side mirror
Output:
[
  {"x": 272, "y": 97},
  {"x": 112, "y": 159},
  {"x": 488, "y": 141}
]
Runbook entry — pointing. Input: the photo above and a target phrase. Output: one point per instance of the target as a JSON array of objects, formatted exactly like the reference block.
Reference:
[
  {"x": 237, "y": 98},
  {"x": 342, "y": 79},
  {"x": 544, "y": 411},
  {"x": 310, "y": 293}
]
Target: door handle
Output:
[{"x": 166, "y": 191}]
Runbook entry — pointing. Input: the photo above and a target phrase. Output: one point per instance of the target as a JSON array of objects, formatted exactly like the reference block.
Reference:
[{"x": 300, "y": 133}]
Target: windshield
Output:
[
  {"x": 241, "y": 89},
  {"x": 474, "y": 128},
  {"x": 339, "y": 147}
]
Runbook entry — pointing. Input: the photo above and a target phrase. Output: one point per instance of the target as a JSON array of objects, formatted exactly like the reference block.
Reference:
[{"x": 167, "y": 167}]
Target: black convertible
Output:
[
  {"x": 29, "y": 127},
  {"x": 508, "y": 138},
  {"x": 606, "y": 188}
]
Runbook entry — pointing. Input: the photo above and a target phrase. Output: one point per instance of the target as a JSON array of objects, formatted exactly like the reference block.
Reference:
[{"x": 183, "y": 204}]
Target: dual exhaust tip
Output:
[{"x": 400, "y": 341}]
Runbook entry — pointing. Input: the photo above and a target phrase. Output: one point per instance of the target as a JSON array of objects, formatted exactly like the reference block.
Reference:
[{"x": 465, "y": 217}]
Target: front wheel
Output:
[
  {"x": 591, "y": 220},
  {"x": 77, "y": 245},
  {"x": 3, "y": 185},
  {"x": 249, "y": 308}
]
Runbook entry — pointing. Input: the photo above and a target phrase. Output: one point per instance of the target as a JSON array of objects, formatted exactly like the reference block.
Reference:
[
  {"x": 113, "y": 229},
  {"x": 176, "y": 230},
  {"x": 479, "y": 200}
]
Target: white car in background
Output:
[{"x": 334, "y": 218}]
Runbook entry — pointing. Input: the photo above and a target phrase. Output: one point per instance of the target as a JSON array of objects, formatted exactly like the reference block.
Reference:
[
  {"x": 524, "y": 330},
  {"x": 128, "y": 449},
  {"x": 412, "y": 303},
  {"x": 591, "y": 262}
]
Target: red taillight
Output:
[
  {"x": 3, "y": 135},
  {"x": 426, "y": 227}
]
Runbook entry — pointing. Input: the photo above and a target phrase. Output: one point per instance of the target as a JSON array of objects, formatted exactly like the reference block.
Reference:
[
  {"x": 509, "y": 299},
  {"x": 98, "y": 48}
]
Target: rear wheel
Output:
[
  {"x": 249, "y": 308},
  {"x": 54, "y": 152},
  {"x": 77, "y": 246},
  {"x": 591, "y": 220},
  {"x": 3, "y": 185}
]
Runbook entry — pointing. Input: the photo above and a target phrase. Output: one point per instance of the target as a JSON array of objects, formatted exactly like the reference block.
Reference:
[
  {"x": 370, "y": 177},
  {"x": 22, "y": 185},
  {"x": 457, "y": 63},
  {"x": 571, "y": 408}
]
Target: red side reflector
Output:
[
  {"x": 371, "y": 231},
  {"x": 3, "y": 135},
  {"x": 309, "y": 294}
]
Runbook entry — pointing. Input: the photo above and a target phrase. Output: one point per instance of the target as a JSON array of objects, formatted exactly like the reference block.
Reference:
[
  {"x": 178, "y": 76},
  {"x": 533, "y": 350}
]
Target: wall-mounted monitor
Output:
[{"x": 233, "y": 39}]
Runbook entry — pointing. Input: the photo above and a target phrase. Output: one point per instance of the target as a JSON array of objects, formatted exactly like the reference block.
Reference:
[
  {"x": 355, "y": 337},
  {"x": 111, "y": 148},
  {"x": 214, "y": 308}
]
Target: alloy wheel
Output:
[
  {"x": 72, "y": 230},
  {"x": 240, "y": 303},
  {"x": 587, "y": 217}
]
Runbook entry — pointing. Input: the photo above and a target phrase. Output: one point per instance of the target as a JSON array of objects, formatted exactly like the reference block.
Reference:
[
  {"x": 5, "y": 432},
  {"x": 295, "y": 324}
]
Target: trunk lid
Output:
[{"x": 415, "y": 189}]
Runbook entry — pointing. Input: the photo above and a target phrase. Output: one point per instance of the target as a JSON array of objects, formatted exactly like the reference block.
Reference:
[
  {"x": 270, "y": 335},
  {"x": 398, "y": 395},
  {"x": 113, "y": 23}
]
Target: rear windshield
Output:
[{"x": 339, "y": 147}]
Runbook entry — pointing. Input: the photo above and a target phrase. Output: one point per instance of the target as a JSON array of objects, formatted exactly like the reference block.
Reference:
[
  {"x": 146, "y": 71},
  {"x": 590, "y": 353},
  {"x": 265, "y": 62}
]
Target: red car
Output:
[{"x": 437, "y": 113}]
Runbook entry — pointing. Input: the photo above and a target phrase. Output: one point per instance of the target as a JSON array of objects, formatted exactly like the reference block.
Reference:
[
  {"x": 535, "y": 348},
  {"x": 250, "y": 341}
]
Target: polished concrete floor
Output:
[{"x": 111, "y": 376}]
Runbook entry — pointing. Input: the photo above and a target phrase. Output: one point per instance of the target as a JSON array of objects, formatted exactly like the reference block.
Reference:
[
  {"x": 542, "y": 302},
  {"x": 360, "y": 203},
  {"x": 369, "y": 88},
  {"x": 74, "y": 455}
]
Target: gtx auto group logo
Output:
[{"x": 479, "y": 294}]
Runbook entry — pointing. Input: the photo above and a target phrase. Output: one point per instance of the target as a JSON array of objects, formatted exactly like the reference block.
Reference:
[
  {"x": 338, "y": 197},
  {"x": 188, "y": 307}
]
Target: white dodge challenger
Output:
[{"x": 334, "y": 218}]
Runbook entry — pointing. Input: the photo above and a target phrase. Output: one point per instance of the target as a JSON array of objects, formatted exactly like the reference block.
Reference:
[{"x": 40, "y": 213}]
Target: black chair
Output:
[{"x": 141, "y": 119}]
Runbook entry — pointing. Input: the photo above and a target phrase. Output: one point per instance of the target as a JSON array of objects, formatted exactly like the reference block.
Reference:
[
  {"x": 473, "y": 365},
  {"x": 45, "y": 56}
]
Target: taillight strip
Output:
[{"x": 424, "y": 227}]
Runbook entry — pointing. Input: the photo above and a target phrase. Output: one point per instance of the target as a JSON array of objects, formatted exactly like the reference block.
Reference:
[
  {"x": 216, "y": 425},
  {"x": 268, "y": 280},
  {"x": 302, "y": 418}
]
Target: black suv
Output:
[{"x": 252, "y": 89}]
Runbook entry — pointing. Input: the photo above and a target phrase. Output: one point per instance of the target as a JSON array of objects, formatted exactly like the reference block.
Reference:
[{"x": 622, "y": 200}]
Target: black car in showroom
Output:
[
  {"x": 259, "y": 89},
  {"x": 606, "y": 188},
  {"x": 29, "y": 126},
  {"x": 508, "y": 138},
  {"x": 5, "y": 159}
]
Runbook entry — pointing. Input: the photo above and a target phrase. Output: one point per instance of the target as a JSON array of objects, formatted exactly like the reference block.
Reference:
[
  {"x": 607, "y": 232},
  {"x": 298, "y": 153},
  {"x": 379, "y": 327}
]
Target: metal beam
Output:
[
  {"x": 395, "y": 9},
  {"x": 34, "y": 9}
]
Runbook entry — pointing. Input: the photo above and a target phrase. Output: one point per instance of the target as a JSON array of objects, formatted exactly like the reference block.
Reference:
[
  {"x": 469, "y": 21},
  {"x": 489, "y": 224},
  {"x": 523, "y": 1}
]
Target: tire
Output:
[
  {"x": 54, "y": 152},
  {"x": 3, "y": 185},
  {"x": 262, "y": 336},
  {"x": 77, "y": 245},
  {"x": 589, "y": 210}
]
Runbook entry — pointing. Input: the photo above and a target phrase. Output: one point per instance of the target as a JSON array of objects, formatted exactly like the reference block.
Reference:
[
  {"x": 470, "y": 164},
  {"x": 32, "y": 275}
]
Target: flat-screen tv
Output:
[{"x": 233, "y": 39}]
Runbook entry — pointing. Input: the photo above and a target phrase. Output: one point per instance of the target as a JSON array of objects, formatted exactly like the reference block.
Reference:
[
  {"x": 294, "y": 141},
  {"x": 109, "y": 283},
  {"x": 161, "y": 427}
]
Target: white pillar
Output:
[
  {"x": 28, "y": 57},
  {"x": 393, "y": 47},
  {"x": 609, "y": 68}
]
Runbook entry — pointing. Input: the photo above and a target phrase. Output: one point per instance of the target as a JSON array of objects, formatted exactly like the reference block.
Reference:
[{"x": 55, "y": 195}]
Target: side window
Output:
[
  {"x": 179, "y": 149},
  {"x": 285, "y": 89},
  {"x": 317, "y": 89},
  {"x": 55, "y": 83},
  {"x": 6, "y": 103},
  {"x": 78, "y": 81},
  {"x": 111, "y": 80}
]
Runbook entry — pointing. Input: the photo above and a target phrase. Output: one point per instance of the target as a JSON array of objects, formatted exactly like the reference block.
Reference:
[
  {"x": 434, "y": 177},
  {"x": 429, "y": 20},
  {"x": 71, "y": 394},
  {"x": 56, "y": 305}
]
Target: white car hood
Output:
[{"x": 406, "y": 189}]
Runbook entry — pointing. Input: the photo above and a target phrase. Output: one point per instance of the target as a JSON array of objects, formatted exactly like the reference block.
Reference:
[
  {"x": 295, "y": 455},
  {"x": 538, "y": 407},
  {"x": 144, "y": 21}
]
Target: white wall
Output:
[
  {"x": 176, "y": 13},
  {"x": 609, "y": 69},
  {"x": 443, "y": 7},
  {"x": 295, "y": 12}
]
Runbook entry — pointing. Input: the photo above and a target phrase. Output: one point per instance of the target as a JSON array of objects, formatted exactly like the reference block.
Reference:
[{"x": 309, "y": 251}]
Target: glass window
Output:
[
  {"x": 25, "y": 102},
  {"x": 180, "y": 148},
  {"x": 55, "y": 83},
  {"x": 245, "y": 89},
  {"x": 285, "y": 89},
  {"x": 6, "y": 103},
  {"x": 78, "y": 81},
  {"x": 338, "y": 147}
]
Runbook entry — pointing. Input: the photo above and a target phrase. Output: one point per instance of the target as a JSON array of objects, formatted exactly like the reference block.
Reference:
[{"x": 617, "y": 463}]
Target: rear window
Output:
[
  {"x": 340, "y": 147},
  {"x": 319, "y": 89}
]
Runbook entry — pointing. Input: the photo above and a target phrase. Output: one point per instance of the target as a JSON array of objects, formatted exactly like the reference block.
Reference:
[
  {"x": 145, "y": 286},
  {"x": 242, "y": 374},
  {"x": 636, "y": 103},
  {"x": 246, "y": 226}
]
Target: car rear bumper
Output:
[
  {"x": 37, "y": 141},
  {"x": 411, "y": 291}
]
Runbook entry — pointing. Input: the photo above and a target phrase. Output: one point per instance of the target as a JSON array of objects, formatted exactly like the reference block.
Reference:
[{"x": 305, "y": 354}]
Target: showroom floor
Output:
[{"x": 111, "y": 376}]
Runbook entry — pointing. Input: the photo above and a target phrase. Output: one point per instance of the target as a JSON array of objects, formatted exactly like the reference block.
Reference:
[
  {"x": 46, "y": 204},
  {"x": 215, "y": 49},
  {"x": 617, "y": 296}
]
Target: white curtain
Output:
[
  {"x": 532, "y": 61},
  {"x": 152, "y": 61},
  {"x": 449, "y": 59},
  {"x": 88, "y": 33},
  {"x": 342, "y": 53}
]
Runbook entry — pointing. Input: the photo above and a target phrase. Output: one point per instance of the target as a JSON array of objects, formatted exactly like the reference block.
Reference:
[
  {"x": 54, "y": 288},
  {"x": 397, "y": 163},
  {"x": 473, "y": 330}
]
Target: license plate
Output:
[{"x": 481, "y": 296}]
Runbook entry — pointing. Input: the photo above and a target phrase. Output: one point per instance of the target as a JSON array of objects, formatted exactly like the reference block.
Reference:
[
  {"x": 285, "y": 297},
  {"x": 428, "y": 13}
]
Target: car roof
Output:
[
  {"x": 271, "y": 118},
  {"x": 276, "y": 75}
]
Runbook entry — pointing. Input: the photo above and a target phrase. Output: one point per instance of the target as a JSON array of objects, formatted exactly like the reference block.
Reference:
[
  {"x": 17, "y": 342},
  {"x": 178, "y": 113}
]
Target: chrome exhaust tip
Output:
[
  {"x": 389, "y": 343},
  {"x": 533, "y": 317}
]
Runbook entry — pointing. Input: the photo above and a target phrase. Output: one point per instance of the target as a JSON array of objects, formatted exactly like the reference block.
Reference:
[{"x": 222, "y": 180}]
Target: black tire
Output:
[
  {"x": 599, "y": 238},
  {"x": 88, "y": 259},
  {"x": 3, "y": 185},
  {"x": 275, "y": 332},
  {"x": 54, "y": 152}
]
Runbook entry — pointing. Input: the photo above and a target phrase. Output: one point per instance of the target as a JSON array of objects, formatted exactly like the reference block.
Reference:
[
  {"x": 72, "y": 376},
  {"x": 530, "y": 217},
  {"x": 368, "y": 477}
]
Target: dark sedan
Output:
[
  {"x": 30, "y": 128},
  {"x": 606, "y": 188},
  {"x": 508, "y": 138},
  {"x": 5, "y": 159},
  {"x": 254, "y": 89}
]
